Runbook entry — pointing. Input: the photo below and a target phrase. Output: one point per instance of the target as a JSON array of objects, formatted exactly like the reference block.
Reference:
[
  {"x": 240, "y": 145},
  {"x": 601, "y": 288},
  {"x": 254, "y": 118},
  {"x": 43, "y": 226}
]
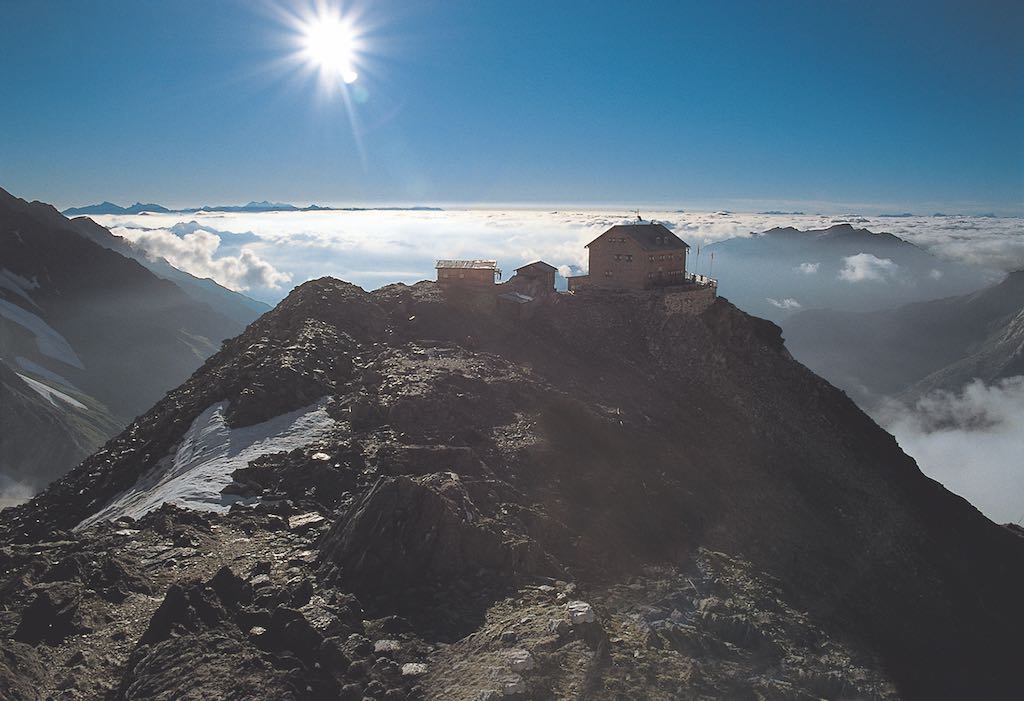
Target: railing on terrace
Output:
[
  {"x": 702, "y": 279},
  {"x": 684, "y": 279}
]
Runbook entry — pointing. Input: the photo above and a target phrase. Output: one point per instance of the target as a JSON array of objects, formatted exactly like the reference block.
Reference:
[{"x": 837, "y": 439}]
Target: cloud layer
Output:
[
  {"x": 787, "y": 303},
  {"x": 373, "y": 248},
  {"x": 865, "y": 266},
  {"x": 970, "y": 441},
  {"x": 196, "y": 252}
]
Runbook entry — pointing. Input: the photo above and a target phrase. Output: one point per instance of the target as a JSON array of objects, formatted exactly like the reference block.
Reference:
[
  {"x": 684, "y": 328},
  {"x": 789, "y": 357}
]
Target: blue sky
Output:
[{"x": 849, "y": 106}]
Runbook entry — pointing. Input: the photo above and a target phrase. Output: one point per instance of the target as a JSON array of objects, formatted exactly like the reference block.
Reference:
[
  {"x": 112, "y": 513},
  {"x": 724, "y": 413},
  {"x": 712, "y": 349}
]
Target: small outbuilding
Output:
[
  {"x": 537, "y": 277},
  {"x": 467, "y": 274}
]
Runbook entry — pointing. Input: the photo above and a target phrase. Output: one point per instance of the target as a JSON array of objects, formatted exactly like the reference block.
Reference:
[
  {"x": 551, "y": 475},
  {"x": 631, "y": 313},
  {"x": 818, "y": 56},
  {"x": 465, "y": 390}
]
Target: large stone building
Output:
[
  {"x": 467, "y": 274},
  {"x": 635, "y": 256}
]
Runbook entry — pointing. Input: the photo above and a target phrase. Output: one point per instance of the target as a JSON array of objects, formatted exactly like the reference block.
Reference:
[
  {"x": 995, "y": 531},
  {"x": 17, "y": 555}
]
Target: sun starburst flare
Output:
[{"x": 328, "y": 42}]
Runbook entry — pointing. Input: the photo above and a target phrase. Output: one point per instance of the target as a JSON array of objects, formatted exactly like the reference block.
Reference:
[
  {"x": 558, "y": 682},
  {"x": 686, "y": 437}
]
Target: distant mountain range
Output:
[
  {"x": 91, "y": 334},
  {"x": 111, "y": 208},
  {"x": 782, "y": 271},
  {"x": 139, "y": 208},
  {"x": 914, "y": 349}
]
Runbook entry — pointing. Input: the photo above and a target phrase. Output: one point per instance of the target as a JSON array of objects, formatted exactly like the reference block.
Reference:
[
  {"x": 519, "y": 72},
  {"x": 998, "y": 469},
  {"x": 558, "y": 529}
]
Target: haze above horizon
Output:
[{"x": 792, "y": 105}]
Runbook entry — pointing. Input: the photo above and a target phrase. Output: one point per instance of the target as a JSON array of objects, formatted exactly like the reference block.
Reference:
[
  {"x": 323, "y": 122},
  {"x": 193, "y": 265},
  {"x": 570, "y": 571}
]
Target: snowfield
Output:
[
  {"x": 194, "y": 474},
  {"x": 50, "y": 394},
  {"x": 49, "y": 342}
]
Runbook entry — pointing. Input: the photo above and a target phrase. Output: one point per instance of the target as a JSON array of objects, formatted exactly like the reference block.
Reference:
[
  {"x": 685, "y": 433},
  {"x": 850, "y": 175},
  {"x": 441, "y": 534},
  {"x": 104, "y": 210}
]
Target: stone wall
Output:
[
  {"x": 578, "y": 282},
  {"x": 689, "y": 300}
]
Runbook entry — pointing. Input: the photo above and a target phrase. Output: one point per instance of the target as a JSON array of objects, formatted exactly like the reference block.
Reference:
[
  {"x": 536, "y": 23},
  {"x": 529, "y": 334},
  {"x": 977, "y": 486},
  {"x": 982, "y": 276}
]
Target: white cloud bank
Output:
[
  {"x": 196, "y": 252},
  {"x": 788, "y": 303},
  {"x": 359, "y": 245},
  {"x": 970, "y": 441},
  {"x": 865, "y": 266},
  {"x": 808, "y": 268}
]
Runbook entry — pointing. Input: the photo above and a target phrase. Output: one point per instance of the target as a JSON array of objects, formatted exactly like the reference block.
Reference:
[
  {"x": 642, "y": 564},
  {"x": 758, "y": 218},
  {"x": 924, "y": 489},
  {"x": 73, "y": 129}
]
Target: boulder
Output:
[
  {"x": 54, "y": 613},
  {"x": 21, "y": 672},
  {"x": 421, "y": 531},
  {"x": 580, "y": 612},
  {"x": 187, "y": 608}
]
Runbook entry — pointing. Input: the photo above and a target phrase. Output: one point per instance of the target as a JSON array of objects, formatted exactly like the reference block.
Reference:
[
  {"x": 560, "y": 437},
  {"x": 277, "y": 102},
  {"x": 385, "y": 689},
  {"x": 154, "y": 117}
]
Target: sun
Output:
[{"x": 329, "y": 44}]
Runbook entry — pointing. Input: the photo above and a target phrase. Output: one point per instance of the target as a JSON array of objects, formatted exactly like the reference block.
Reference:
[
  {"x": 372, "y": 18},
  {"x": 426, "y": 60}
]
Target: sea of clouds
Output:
[
  {"x": 970, "y": 441},
  {"x": 265, "y": 254}
]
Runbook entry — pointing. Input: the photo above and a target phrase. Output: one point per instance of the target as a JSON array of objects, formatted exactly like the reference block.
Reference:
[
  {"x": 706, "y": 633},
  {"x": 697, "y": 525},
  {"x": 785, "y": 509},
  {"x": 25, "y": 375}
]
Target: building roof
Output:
[
  {"x": 650, "y": 236},
  {"x": 536, "y": 264},
  {"x": 471, "y": 264}
]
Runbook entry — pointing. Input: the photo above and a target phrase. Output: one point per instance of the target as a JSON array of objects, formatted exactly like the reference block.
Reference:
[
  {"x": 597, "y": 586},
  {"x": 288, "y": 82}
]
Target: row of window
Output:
[
  {"x": 660, "y": 273},
  {"x": 628, "y": 258}
]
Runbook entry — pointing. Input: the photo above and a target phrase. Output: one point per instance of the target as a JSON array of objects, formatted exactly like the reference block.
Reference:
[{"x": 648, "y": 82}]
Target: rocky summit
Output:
[{"x": 395, "y": 495}]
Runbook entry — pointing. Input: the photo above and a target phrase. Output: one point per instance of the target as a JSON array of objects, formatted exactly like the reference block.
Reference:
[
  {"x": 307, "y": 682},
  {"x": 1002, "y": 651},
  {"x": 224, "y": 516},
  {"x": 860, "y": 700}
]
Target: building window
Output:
[
  {"x": 650, "y": 275},
  {"x": 652, "y": 259},
  {"x": 607, "y": 273},
  {"x": 629, "y": 258},
  {"x": 618, "y": 257}
]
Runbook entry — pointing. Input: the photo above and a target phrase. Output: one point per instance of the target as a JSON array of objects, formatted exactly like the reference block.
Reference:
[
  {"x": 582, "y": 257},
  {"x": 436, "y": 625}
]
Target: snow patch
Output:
[
  {"x": 193, "y": 475},
  {"x": 49, "y": 342},
  {"x": 50, "y": 394},
  {"x": 17, "y": 284}
]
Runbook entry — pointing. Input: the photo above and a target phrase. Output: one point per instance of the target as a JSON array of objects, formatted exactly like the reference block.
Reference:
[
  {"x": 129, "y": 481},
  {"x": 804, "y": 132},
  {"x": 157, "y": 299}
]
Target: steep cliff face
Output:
[
  {"x": 95, "y": 333},
  {"x": 640, "y": 501}
]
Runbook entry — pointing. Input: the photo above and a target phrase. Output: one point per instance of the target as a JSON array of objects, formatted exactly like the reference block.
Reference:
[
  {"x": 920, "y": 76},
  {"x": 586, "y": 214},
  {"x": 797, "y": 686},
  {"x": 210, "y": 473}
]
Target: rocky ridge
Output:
[{"x": 606, "y": 500}]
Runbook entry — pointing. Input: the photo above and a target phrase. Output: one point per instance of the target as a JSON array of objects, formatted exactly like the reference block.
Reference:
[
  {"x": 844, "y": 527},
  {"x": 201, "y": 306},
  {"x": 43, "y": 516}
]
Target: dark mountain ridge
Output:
[
  {"x": 777, "y": 273},
  {"x": 606, "y": 448},
  {"x": 917, "y": 348},
  {"x": 89, "y": 322},
  {"x": 229, "y": 303}
]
